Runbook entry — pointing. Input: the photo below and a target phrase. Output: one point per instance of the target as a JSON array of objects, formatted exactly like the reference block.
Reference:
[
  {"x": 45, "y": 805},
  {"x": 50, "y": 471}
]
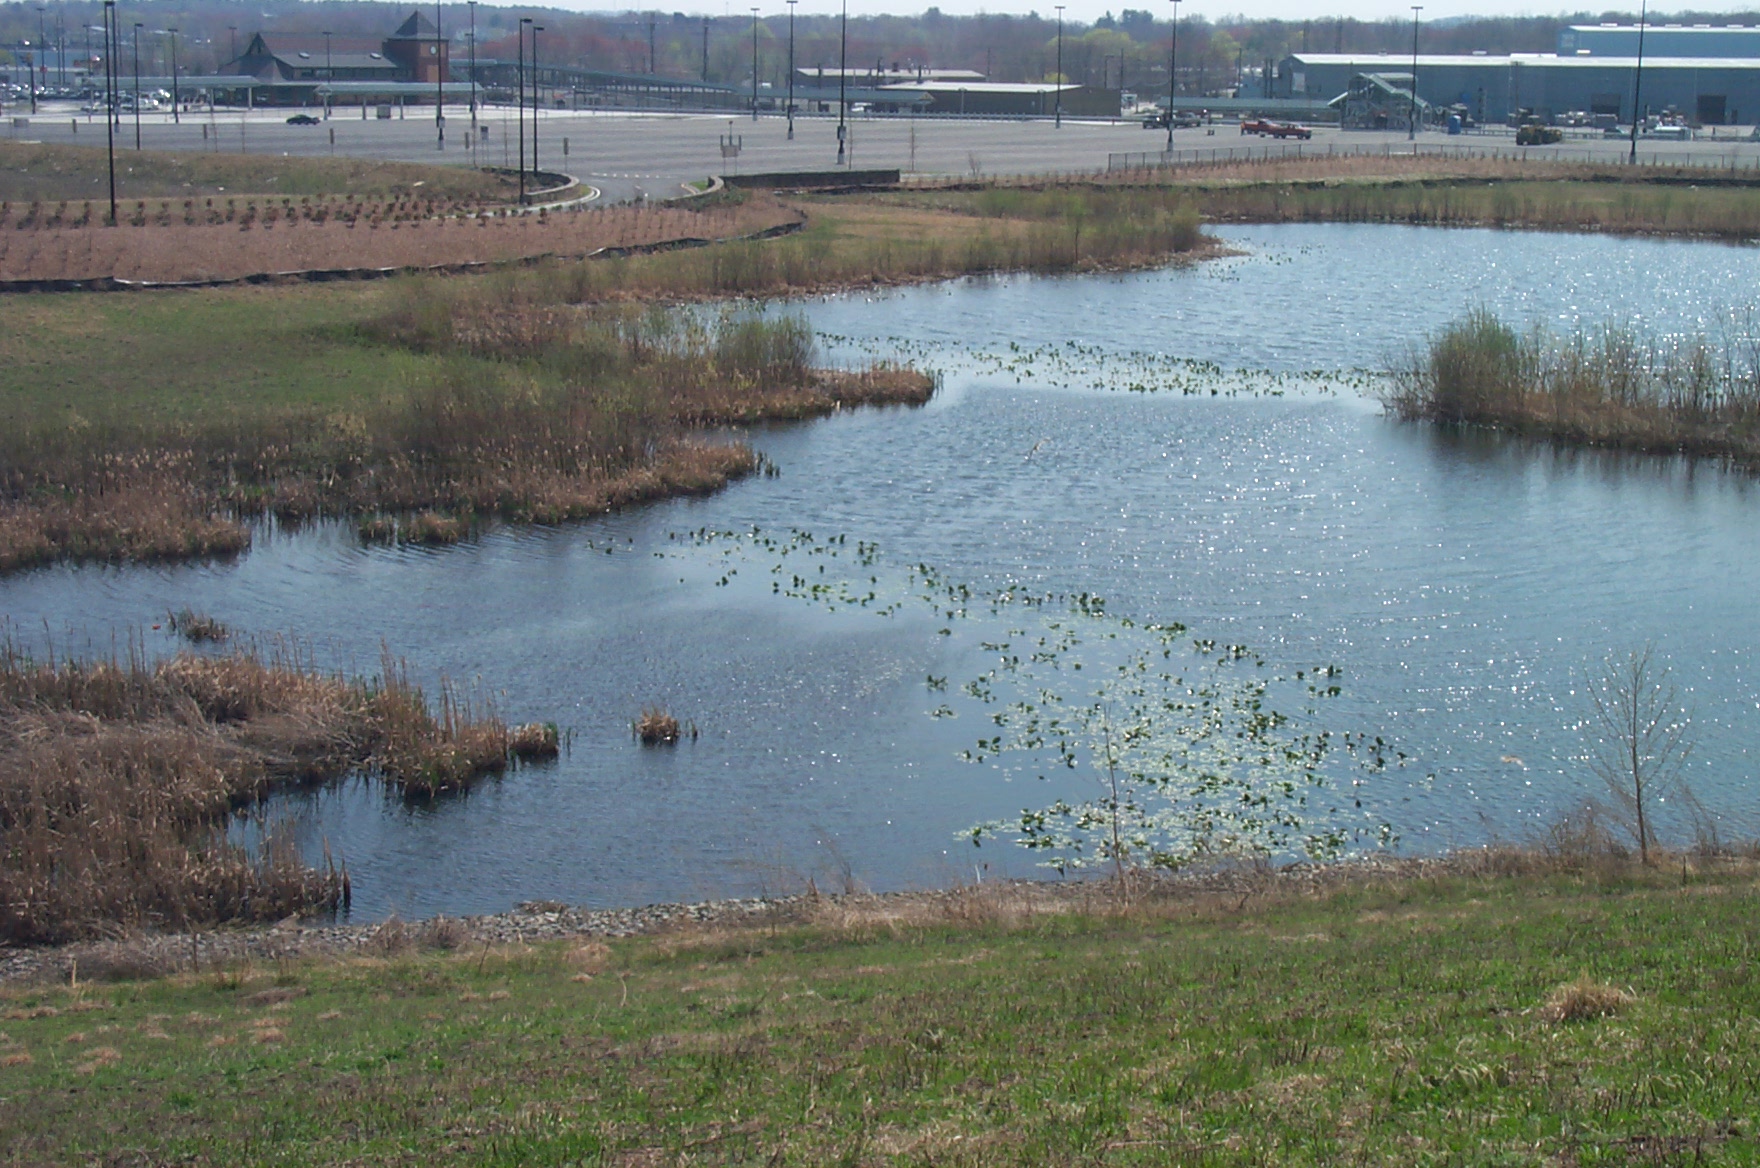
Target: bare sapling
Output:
[{"x": 1639, "y": 738}]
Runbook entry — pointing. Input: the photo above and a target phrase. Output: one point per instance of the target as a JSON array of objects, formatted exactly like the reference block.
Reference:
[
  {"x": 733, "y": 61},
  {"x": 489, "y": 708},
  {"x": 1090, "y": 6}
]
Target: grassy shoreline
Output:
[
  {"x": 538, "y": 395},
  {"x": 1488, "y": 1012}
]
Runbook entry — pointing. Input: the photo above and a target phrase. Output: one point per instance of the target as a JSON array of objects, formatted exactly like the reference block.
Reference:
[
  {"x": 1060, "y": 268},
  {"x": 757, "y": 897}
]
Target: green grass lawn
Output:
[
  {"x": 1401, "y": 1024},
  {"x": 191, "y": 356},
  {"x": 34, "y": 170}
]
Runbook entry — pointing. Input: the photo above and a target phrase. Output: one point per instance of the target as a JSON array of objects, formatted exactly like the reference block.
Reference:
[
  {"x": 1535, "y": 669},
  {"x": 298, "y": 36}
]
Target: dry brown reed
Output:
[
  {"x": 656, "y": 727},
  {"x": 1615, "y": 388},
  {"x": 197, "y": 627},
  {"x": 117, "y": 779}
]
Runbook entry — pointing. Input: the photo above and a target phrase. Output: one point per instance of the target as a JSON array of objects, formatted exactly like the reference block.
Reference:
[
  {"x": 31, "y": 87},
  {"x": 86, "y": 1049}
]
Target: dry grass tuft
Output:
[
  {"x": 534, "y": 741},
  {"x": 197, "y": 627},
  {"x": 1584, "y": 999},
  {"x": 591, "y": 958},
  {"x": 103, "y": 1056},
  {"x": 444, "y": 933},
  {"x": 17, "y": 1058},
  {"x": 656, "y": 727}
]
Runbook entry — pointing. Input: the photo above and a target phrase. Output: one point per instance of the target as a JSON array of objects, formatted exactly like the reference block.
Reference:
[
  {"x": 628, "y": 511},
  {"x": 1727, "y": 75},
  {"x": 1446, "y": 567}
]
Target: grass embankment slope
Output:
[
  {"x": 1469, "y": 192},
  {"x": 39, "y": 172},
  {"x": 1410, "y": 1021}
]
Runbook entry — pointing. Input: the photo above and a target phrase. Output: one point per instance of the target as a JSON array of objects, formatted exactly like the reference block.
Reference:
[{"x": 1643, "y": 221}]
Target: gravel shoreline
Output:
[{"x": 160, "y": 954}]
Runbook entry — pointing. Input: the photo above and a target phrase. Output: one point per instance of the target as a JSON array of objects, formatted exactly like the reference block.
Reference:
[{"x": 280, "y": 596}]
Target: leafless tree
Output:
[{"x": 1639, "y": 740}]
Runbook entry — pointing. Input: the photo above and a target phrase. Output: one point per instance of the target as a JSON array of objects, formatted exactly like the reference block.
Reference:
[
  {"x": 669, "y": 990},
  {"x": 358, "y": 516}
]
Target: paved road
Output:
[{"x": 626, "y": 154}]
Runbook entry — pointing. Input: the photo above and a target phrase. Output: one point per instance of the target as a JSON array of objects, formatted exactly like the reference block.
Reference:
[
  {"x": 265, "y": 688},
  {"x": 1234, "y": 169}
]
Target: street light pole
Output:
[
  {"x": 440, "y": 56},
  {"x": 1412, "y": 114},
  {"x": 1059, "y": 120},
  {"x": 1638, "y": 84},
  {"x": 754, "y": 64},
  {"x": 41, "y": 73},
  {"x": 473, "y": 4},
  {"x": 537, "y": 105},
  {"x": 176, "y": 113},
  {"x": 137, "y": 85},
  {"x": 1172, "y": 72},
  {"x": 523, "y": 21},
  {"x": 330, "y": 78},
  {"x": 110, "y": 105},
  {"x": 791, "y": 4},
  {"x": 842, "y": 80}
]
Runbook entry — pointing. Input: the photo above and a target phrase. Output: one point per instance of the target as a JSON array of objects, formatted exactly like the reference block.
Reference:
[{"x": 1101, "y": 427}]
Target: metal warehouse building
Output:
[{"x": 1711, "y": 90}]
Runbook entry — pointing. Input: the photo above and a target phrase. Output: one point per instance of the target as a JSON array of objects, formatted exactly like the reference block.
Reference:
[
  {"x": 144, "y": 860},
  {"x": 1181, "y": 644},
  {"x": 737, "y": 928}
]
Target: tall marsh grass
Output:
[
  {"x": 117, "y": 779},
  {"x": 1616, "y": 386}
]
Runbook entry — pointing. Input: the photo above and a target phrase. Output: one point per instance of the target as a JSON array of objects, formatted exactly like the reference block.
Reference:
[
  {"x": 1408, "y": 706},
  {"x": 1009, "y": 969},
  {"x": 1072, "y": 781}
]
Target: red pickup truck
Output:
[{"x": 1268, "y": 128}]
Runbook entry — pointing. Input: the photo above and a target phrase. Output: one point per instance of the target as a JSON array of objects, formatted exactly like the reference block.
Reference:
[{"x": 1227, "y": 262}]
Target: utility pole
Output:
[
  {"x": 473, "y": 4},
  {"x": 791, "y": 4},
  {"x": 1059, "y": 121},
  {"x": 705, "y": 48},
  {"x": 1172, "y": 71},
  {"x": 330, "y": 78},
  {"x": 754, "y": 64},
  {"x": 842, "y": 81},
  {"x": 440, "y": 57},
  {"x": 653, "y": 66},
  {"x": 1412, "y": 116},
  {"x": 1638, "y": 84}
]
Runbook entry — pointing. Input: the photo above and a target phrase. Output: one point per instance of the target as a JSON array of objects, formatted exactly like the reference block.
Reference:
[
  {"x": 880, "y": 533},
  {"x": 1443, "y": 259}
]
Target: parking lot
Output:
[{"x": 628, "y": 154}]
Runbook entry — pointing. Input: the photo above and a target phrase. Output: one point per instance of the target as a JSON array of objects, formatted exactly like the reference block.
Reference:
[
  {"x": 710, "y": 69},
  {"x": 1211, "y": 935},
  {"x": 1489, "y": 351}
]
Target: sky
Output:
[{"x": 1088, "y": 10}]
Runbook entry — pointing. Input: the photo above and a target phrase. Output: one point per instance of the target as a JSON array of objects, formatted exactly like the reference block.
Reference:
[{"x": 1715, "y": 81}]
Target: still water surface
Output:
[{"x": 1462, "y": 583}]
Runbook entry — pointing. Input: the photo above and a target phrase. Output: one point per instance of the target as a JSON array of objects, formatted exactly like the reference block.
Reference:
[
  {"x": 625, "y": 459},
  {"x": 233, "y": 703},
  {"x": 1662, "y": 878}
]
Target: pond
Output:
[{"x": 1192, "y": 444}]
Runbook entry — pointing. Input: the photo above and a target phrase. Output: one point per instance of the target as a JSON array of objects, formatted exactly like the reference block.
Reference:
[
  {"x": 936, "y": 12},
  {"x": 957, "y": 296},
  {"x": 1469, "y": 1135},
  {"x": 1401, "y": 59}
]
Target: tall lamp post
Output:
[
  {"x": 473, "y": 4},
  {"x": 176, "y": 113},
  {"x": 1172, "y": 71},
  {"x": 1059, "y": 119},
  {"x": 537, "y": 105},
  {"x": 1638, "y": 85},
  {"x": 1412, "y": 113},
  {"x": 110, "y": 104},
  {"x": 41, "y": 73},
  {"x": 523, "y": 21},
  {"x": 791, "y": 4},
  {"x": 330, "y": 77},
  {"x": 842, "y": 79},
  {"x": 440, "y": 56},
  {"x": 137, "y": 85},
  {"x": 754, "y": 64}
]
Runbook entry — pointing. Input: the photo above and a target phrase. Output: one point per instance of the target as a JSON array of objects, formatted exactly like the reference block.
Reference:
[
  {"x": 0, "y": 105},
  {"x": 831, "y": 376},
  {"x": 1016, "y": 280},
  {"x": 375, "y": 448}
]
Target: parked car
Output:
[
  {"x": 1534, "y": 134},
  {"x": 1267, "y": 128},
  {"x": 303, "y": 120},
  {"x": 1181, "y": 121}
]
